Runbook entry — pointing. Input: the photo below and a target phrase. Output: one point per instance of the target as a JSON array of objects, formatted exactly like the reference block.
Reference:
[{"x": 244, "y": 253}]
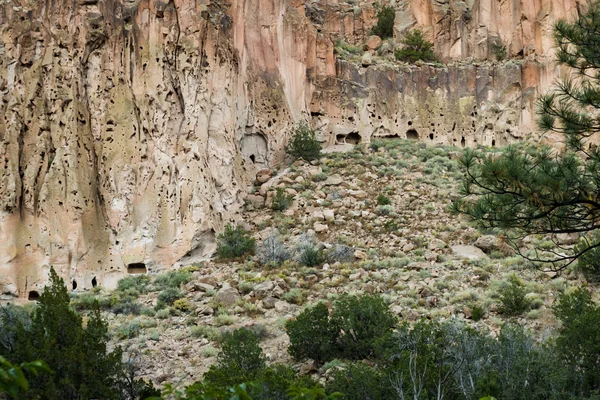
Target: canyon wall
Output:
[{"x": 130, "y": 130}]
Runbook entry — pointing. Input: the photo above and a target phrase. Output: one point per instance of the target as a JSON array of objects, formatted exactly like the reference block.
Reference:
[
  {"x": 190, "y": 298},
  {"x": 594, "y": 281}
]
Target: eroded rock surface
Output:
[{"x": 130, "y": 130}]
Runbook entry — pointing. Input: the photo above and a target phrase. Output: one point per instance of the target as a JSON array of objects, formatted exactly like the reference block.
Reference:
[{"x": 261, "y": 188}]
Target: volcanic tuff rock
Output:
[{"x": 130, "y": 130}]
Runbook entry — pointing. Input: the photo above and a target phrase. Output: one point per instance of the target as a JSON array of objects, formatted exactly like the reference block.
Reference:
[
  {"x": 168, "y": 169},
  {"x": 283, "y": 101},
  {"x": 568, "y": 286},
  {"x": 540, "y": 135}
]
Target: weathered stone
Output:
[
  {"x": 373, "y": 42},
  {"x": 227, "y": 297},
  {"x": 333, "y": 180},
  {"x": 256, "y": 201},
  {"x": 320, "y": 227},
  {"x": 470, "y": 252},
  {"x": 488, "y": 243},
  {"x": 263, "y": 175}
]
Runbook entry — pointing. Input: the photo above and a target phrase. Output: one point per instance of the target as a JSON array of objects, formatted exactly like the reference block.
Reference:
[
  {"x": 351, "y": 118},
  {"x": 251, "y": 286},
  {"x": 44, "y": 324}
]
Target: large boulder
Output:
[{"x": 470, "y": 252}]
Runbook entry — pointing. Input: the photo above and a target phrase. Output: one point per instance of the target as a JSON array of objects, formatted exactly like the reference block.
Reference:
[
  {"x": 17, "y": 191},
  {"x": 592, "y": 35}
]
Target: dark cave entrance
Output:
[
  {"x": 33, "y": 296},
  {"x": 412, "y": 134},
  {"x": 136, "y": 268}
]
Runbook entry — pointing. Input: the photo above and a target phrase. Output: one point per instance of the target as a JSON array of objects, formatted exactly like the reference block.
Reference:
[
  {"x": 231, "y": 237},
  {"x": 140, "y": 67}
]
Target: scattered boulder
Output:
[
  {"x": 320, "y": 227},
  {"x": 227, "y": 296},
  {"x": 263, "y": 175},
  {"x": 488, "y": 243},
  {"x": 366, "y": 60},
  {"x": 263, "y": 289},
  {"x": 256, "y": 201},
  {"x": 374, "y": 42},
  {"x": 470, "y": 252},
  {"x": 333, "y": 180}
]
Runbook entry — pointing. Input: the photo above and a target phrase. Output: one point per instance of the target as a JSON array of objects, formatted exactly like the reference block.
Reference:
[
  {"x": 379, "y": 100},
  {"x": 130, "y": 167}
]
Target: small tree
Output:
[
  {"x": 415, "y": 48},
  {"x": 304, "y": 143},
  {"x": 312, "y": 335},
  {"x": 241, "y": 360},
  {"x": 235, "y": 242},
  {"x": 513, "y": 297},
  {"x": 82, "y": 367},
  {"x": 541, "y": 192},
  {"x": 362, "y": 320},
  {"x": 579, "y": 336},
  {"x": 385, "y": 22}
]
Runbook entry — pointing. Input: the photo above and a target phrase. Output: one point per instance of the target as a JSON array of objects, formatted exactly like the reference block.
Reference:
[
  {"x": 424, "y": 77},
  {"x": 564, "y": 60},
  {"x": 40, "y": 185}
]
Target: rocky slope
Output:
[
  {"x": 130, "y": 130},
  {"x": 421, "y": 260}
]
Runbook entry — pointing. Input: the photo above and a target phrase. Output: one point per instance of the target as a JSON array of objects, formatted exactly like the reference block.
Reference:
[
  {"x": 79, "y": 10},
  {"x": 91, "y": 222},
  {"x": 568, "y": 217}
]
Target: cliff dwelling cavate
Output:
[
  {"x": 137, "y": 269},
  {"x": 33, "y": 295},
  {"x": 254, "y": 148},
  {"x": 74, "y": 286},
  {"x": 412, "y": 134},
  {"x": 351, "y": 138}
]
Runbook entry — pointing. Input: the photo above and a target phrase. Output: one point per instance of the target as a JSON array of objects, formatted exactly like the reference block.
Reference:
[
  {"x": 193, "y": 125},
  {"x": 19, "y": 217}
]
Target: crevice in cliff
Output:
[{"x": 173, "y": 61}]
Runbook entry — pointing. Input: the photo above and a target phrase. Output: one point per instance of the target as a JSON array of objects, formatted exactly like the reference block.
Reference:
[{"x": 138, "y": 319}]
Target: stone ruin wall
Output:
[{"x": 129, "y": 131}]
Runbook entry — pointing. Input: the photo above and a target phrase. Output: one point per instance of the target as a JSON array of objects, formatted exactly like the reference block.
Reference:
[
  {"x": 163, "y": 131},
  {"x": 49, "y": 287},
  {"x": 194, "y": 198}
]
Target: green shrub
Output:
[
  {"x": 384, "y": 28},
  {"x": 499, "y": 51},
  {"x": 167, "y": 297},
  {"x": 235, "y": 242},
  {"x": 312, "y": 335},
  {"x": 359, "y": 382},
  {"x": 415, "y": 48},
  {"x": 477, "y": 313},
  {"x": 182, "y": 305},
  {"x": 513, "y": 297},
  {"x": 304, "y": 143},
  {"x": 281, "y": 200},
  {"x": 383, "y": 200},
  {"x": 311, "y": 256},
  {"x": 362, "y": 320},
  {"x": 172, "y": 279},
  {"x": 208, "y": 332},
  {"x": 241, "y": 359},
  {"x": 126, "y": 306},
  {"x": 137, "y": 283}
]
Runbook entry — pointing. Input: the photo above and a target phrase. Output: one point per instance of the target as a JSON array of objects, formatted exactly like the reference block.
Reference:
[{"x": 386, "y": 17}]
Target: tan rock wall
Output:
[{"x": 130, "y": 130}]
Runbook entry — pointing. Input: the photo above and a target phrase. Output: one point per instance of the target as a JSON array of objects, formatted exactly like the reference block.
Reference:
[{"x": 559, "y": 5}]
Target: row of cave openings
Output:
[
  {"x": 132, "y": 269},
  {"x": 354, "y": 138}
]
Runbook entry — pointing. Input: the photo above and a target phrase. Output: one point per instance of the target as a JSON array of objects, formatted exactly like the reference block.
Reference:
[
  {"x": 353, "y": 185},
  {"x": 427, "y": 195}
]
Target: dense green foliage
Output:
[
  {"x": 13, "y": 379},
  {"x": 349, "y": 332},
  {"x": 421, "y": 360},
  {"x": 241, "y": 372},
  {"x": 77, "y": 355},
  {"x": 415, "y": 48},
  {"x": 304, "y": 143},
  {"x": 312, "y": 335},
  {"x": 530, "y": 191},
  {"x": 579, "y": 338},
  {"x": 384, "y": 28},
  {"x": 235, "y": 242}
]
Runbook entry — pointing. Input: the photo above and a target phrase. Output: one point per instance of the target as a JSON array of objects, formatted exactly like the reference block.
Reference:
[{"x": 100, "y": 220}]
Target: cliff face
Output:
[{"x": 130, "y": 130}]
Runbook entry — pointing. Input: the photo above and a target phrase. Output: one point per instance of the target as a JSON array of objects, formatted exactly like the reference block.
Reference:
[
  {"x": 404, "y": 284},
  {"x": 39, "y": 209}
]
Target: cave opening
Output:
[
  {"x": 136, "y": 268},
  {"x": 253, "y": 158},
  {"x": 493, "y": 142},
  {"x": 33, "y": 296},
  {"x": 353, "y": 138},
  {"x": 74, "y": 284},
  {"x": 463, "y": 142},
  {"x": 94, "y": 282},
  {"x": 412, "y": 134}
]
